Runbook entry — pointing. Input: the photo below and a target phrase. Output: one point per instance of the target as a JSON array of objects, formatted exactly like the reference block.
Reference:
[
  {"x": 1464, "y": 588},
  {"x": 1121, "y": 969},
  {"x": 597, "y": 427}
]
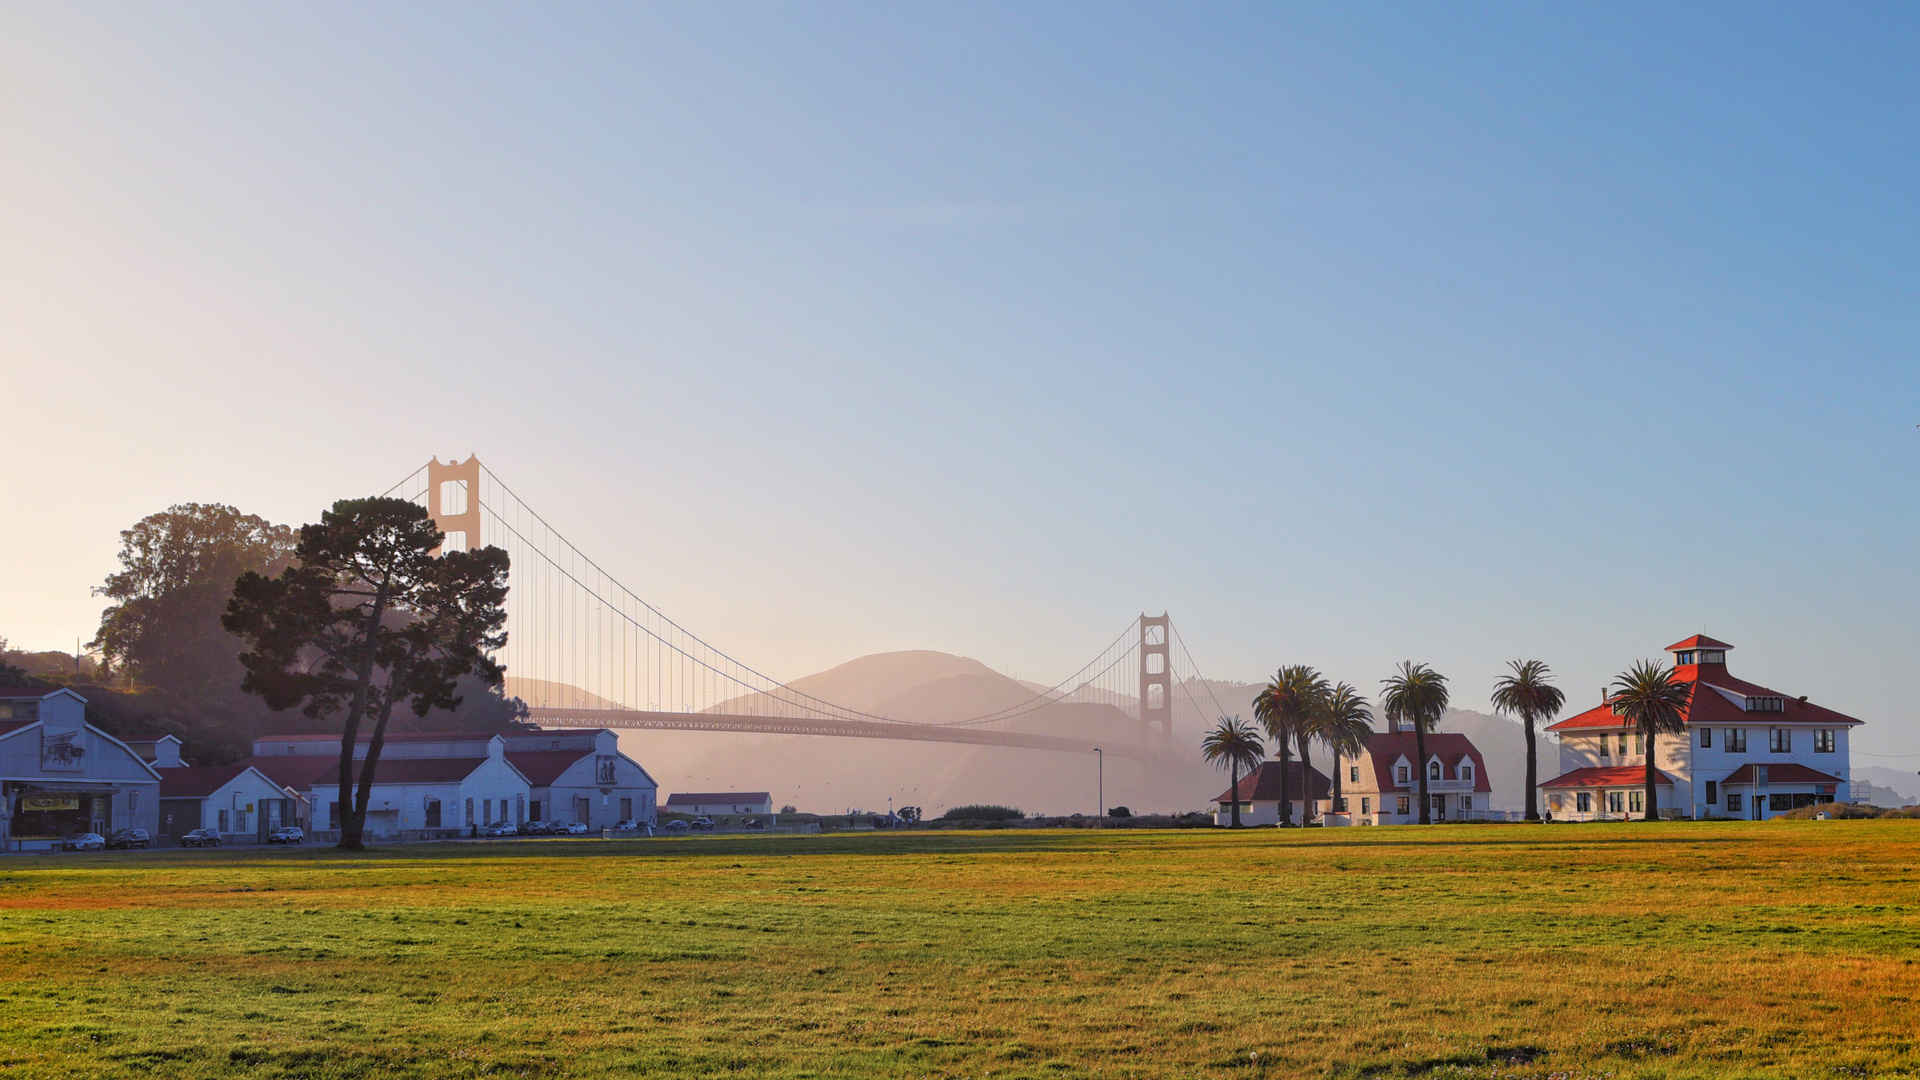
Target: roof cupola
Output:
[{"x": 1699, "y": 649}]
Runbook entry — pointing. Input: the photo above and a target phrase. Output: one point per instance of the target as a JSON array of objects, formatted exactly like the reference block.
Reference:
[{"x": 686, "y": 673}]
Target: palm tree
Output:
[
  {"x": 1284, "y": 706},
  {"x": 1647, "y": 696},
  {"x": 1418, "y": 696},
  {"x": 1529, "y": 693},
  {"x": 1237, "y": 745},
  {"x": 1344, "y": 723}
]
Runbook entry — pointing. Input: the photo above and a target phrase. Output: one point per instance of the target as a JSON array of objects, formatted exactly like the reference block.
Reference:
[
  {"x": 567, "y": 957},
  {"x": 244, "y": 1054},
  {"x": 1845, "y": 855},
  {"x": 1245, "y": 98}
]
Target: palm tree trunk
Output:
[
  {"x": 1653, "y": 814},
  {"x": 1306, "y": 781},
  {"x": 1286, "y": 796},
  {"x": 1533, "y": 771},
  {"x": 1420, "y": 769},
  {"x": 1334, "y": 808},
  {"x": 1233, "y": 792}
]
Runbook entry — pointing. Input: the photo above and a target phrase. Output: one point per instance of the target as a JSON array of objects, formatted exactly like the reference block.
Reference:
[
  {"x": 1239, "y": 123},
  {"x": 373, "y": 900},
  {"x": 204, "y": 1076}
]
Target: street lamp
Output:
[{"x": 1100, "y": 760}]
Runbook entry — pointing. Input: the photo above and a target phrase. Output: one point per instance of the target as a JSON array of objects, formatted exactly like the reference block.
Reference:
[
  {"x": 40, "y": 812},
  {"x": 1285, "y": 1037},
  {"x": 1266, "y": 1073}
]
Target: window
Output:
[
  {"x": 223, "y": 821},
  {"x": 1823, "y": 741},
  {"x": 1433, "y": 770},
  {"x": 1406, "y": 805},
  {"x": 1639, "y": 743},
  {"x": 1466, "y": 802},
  {"x": 1736, "y": 740},
  {"x": 470, "y": 817},
  {"x": 1780, "y": 740},
  {"x": 1688, "y": 657},
  {"x": 1583, "y": 802},
  {"x": 1622, "y": 737},
  {"x": 1766, "y": 704},
  {"x": 519, "y": 808},
  {"x": 1713, "y": 656},
  {"x": 486, "y": 810},
  {"x": 1401, "y": 775},
  {"x": 1603, "y": 746},
  {"x": 1353, "y": 774},
  {"x": 1779, "y": 801},
  {"x": 1706, "y": 738},
  {"x": 333, "y": 815},
  {"x": 1733, "y": 802},
  {"x": 1615, "y": 804},
  {"x": 1466, "y": 771},
  {"x": 1713, "y": 792},
  {"x": 1636, "y": 801},
  {"x": 1366, "y": 804}
]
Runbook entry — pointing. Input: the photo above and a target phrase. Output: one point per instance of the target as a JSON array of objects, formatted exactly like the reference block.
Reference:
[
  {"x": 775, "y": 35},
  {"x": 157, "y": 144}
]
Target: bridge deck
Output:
[{"x": 857, "y": 729}]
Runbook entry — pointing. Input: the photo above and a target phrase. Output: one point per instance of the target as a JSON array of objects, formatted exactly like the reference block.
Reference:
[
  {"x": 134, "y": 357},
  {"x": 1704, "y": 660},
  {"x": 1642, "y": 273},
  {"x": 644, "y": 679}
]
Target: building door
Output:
[{"x": 582, "y": 810}]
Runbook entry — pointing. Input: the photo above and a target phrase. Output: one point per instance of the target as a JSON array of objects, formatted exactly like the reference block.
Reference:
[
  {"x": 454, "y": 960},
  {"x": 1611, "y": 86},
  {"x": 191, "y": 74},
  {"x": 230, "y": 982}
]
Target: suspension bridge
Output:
[{"x": 583, "y": 649}]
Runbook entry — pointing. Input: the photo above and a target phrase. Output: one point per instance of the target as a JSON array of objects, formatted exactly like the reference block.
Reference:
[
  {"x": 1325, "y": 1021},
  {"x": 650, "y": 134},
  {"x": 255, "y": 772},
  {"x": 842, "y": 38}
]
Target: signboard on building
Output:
[
  {"x": 62, "y": 751},
  {"x": 605, "y": 770}
]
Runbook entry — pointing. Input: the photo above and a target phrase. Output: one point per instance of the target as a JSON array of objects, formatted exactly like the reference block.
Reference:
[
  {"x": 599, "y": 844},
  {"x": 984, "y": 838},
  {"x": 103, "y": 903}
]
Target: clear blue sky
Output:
[{"x": 1347, "y": 333}]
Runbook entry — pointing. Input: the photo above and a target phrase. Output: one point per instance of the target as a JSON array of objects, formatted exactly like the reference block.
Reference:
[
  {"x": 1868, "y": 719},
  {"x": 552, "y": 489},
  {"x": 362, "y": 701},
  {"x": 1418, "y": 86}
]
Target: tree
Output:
[
  {"x": 369, "y": 617},
  {"x": 1417, "y": 696},
  {"x": 1529, "y": 693},
  {"x": 1648, "y": 698},
  {"x": 1344, "y": 724},
  {"x": 177, "y": 571},
  {"x": 1284, "y": 706},
  {"x": 1233, "y": 745}
]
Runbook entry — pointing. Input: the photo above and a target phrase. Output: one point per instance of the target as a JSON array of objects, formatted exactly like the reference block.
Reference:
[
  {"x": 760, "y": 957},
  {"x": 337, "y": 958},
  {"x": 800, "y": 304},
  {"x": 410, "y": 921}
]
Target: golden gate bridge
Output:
[{"x": 582, "y": 648}]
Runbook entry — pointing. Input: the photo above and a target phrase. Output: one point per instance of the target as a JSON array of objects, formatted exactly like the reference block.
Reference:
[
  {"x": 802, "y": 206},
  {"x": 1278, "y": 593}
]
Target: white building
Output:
[
  {"x": 1382, "y": 786},
  {"x": 1748, "y": 751},
  {"x": 1259, "y": 795},
  {"x": 441, "y": 783},
  {"x": 720, "y": 802},
  {"x": 60, "y": 776},
  {"x": 239, "y": 802}
]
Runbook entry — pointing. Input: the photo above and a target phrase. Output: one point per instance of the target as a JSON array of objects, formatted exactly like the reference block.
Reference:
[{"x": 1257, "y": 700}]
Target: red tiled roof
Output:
[
  {"x": 717, "y": 797},
  {"x": 1785, "y": 772},
  {"x": 149, "y": 736},
  {"x": 1715, "y": 709},
  {"x": 14, "y": 725},
  {"x": 1449, "y": 746},
  {"x": 1263, "y": 784},
  {"x": 296, "y": 771},
  {"x": 392, "y": 737},
  {"x": 1609, "y": 776},
  {"x": 1698, "y": 641},
  {"x": 197, "y": 781},
  {"x": 433, "y": 770},
  {"x": 543, "y": 767}
]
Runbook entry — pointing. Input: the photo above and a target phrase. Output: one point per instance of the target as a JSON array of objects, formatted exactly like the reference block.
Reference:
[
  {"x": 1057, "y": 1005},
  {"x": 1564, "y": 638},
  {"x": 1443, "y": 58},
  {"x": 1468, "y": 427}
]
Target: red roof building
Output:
[
  {"x": 1749, "y": 751},
  {"x": 1259, "y": 794}
]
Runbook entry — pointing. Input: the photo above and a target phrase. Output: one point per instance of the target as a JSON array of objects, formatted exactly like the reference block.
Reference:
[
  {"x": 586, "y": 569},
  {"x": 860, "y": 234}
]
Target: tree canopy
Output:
[{"x": 367, "y": 619}]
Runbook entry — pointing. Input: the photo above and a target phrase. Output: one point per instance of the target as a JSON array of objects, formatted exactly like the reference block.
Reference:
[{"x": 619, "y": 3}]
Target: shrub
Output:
[
  {"x": 1119, "y": 812},
  {"x": 981, "y": 813}
]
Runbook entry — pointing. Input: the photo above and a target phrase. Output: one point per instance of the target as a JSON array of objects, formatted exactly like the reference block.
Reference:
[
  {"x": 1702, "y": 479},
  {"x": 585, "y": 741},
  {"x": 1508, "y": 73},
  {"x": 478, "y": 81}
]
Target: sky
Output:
[{"x": 1346, "y": 334}]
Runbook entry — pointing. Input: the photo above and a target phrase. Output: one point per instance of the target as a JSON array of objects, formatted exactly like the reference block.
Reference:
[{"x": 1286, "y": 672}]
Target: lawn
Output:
[{"x": 1782, "y": 949}]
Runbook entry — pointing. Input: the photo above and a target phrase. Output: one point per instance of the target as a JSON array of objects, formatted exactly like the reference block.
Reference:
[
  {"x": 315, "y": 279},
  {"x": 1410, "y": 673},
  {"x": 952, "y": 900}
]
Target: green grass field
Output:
[{"x": 1788, "y": 949}]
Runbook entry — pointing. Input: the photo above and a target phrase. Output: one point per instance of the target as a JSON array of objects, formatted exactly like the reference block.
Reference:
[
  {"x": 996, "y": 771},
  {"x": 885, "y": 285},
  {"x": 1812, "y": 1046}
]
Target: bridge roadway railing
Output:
[{"x": 857, "y": 729}]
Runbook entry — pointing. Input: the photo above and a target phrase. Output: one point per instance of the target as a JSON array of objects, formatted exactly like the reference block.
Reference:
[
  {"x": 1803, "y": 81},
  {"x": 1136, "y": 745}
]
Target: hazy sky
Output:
[{"x": 1346, "y": 333}]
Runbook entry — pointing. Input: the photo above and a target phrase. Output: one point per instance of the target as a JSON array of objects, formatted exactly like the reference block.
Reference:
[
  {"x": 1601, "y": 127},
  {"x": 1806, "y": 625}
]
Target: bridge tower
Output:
[
  {"x": 453, "y": 498},
  {"x": 1156, "y": 680}
]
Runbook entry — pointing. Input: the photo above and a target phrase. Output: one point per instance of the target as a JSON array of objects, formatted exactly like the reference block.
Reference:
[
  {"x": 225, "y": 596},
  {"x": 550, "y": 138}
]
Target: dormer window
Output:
[
  {"x": 1433, "y": 770},
  {"x": 1466, "y": 771},
  {"x": 1402, "y": 774},
  {"x": 1766, "y": 704}
]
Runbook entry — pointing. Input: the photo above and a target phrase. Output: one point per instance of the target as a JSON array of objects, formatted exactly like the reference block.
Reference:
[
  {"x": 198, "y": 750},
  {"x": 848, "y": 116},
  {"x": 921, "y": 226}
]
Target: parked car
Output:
[
  {"x": 201, "y": 838},
  {"x": 628, "y": 825},
  {"x": 576, "y": 828},
  {"x": 287, "y": 834},
  {"x": 678, "y": 825},
  {"x": 86, "y": 841},
  {"x": 128, "y": 839},
  {"x": 536, "y": 828},
  {"x": 499, "y": 828},
  {"x": 703, "y": 822},
  {"x": 753, "y": 823}
]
